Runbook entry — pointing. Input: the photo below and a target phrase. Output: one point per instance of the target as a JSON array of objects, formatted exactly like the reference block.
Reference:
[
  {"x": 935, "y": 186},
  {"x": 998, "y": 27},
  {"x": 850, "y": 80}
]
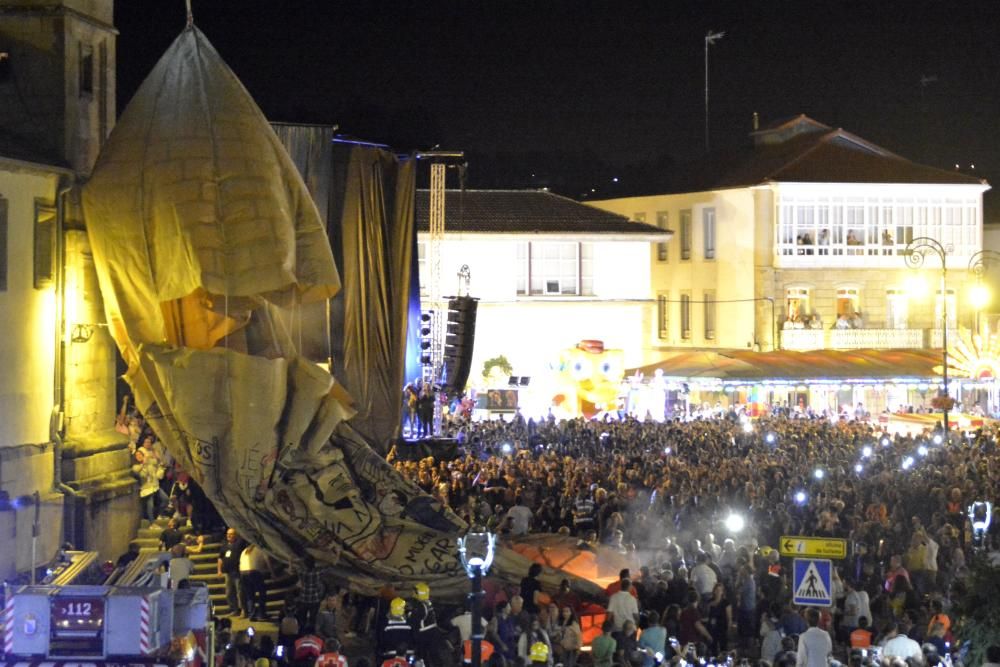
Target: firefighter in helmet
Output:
[
  {"x": 397, "y": 635},
  {"x": 423, "y": 620}
]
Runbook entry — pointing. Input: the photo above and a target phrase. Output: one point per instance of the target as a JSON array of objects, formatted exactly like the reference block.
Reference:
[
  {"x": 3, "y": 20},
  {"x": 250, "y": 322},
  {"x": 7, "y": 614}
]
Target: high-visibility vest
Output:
[
  {"x": 861, "y": 639},
  {"x": 485, "y": 651},
  {"x": 331, "y": 660}
]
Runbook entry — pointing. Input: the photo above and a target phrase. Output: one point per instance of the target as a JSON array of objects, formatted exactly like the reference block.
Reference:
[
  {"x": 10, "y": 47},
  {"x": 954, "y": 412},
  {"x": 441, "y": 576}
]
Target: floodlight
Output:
[
  {"x": 506, "y": 448},
  {"x": 735, "y": 523},
  {"x": 667, "y": 451},
  {"x": 770, "y": 438},
  {"x": 818, "y": 473},
  {"x": 800, "y": 497},
  {"x": 866, "y": 451},
  {"x": 858, "y": 468}
]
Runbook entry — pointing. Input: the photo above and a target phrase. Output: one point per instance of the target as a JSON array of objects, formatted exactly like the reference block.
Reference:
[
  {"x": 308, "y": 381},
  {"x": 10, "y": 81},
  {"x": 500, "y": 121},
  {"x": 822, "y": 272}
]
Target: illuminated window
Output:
[
  {"x": 663, "y": 315},
  {"x": 662, "y": 250},
  {"x": 709, "y": 315},
  {"x": 45, "y": 244},
  {"x": 685, "y": 235},
  {"x": 422, "y": 267},
  {"x": 555, "y": 269},
  {"x": 847, "y": 302},
  {"x": 708, "y": 227},
  {"x": 3, "y": 244},
  {"x": 797, "y": 303},
  {"x": 896, "y": 308},
  {"x": 686, "y": 315},
  {"x": 939, "y": 303}
]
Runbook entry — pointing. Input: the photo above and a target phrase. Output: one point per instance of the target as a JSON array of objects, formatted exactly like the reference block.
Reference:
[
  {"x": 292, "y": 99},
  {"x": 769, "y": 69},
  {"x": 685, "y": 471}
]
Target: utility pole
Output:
[{"x": 710, "y": 38}]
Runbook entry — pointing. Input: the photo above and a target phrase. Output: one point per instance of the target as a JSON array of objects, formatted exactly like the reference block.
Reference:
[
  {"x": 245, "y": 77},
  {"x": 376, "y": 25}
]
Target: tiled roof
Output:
[{"x": 525, "y": 212}]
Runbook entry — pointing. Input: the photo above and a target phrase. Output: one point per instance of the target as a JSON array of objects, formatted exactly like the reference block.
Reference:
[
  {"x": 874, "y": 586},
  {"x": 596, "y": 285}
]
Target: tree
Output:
[{"x": 978, "y": 609}]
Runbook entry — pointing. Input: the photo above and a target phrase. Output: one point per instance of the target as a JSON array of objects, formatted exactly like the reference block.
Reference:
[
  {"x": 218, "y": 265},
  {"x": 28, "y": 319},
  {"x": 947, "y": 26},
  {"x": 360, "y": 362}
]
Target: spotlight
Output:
[
  {"x": 921, "y": 450},
  {"x": 506, "y": 448},
  {"x": 885, "y": 442},
  {"x": 866, "y": 451},
  {"x": 907, "y": 463},
  {"x": 747, "y": 427},
  {"x": 770, "y": 438},
  {"x": 938, "y": 439},
  {"x": 734, "y": 523},
  {"x": 858, "y": 468},
  {"x": 800, "y": 497},
  {"x": 667, "y": 451},
  {"x": 818, "y": 473}
]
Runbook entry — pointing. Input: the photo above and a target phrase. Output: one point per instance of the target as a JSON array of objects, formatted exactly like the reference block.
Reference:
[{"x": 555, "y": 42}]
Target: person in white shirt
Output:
[
  {"x": 703, "y": 578},
  {"x": 815, "y": 645},
  {"x": 930, "y": 560},
  {"x": 520, "y": 518},
  {"x": 180, "y": 566},
  {"x": 623, "y": 606},
  {"x": 856, "y": 605},
  {"x": 898, "y": 645}
]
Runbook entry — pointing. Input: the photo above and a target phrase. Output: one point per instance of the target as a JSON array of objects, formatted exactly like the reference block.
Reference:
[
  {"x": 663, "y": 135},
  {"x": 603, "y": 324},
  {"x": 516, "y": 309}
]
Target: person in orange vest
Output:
[
  {"x": 485, "y": 651},
  {"x": 307, "y": 647},
  {"x": 862, "y": 636},
  {"x": 331, "y": 657}
]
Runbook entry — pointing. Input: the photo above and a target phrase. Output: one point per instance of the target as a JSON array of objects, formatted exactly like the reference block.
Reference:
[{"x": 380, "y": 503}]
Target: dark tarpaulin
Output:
[{"x": 368, "y": 197}]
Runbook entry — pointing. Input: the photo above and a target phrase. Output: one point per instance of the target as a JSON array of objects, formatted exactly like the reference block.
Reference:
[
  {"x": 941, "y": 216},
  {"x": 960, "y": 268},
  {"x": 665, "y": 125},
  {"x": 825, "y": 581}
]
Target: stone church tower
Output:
[{"x": 57, "y": 391}]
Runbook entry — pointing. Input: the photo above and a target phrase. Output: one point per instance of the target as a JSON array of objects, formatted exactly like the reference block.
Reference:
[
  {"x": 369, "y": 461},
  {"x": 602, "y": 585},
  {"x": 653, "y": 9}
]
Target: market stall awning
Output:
[{"x": 747, "y": 365}]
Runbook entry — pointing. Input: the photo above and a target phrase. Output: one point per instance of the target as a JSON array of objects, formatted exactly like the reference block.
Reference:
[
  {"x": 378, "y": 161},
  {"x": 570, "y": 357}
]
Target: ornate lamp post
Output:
[
  {"x": 979, "y": 264},
  {"x": 915, "y": 253},
  {"x": 476, "y": 550}
]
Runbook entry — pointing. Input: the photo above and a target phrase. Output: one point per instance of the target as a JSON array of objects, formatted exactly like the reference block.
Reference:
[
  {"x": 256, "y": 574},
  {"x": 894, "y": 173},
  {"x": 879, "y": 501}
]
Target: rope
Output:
[{"x": 190, "y": 15}]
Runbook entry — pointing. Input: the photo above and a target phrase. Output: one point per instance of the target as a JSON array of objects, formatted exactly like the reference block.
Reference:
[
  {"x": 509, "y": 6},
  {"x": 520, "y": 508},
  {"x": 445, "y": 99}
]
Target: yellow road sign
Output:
[{"x": 812, "y": 547}]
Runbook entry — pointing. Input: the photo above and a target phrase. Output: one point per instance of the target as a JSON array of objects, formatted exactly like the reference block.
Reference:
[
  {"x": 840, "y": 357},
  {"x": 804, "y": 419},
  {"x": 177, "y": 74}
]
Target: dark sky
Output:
[{"x": 579, "y": 91}]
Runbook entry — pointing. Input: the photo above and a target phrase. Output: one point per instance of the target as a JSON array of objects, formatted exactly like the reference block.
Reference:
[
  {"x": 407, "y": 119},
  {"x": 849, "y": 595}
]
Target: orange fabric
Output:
[
  {"x": 861, "y": 639},
  {"x": 486, "y": 650},
  {"x": 591, "y": 617}
]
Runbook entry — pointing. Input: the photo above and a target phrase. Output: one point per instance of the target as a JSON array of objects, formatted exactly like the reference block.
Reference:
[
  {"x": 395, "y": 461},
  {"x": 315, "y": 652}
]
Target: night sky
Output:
[{"x": 572, "y": 94}]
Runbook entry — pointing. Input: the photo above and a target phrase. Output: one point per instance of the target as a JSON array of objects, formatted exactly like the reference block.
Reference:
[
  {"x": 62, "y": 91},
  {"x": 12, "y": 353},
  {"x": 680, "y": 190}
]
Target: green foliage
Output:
[
  {"x": 978, "y": 609},
  {"x": 500, "y": 363}
]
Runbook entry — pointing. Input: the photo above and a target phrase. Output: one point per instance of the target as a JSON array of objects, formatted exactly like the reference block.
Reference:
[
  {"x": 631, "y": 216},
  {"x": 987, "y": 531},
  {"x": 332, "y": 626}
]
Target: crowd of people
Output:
[
  {"x": 661, "y": 492},
  {"x": 660, "y": 495}
]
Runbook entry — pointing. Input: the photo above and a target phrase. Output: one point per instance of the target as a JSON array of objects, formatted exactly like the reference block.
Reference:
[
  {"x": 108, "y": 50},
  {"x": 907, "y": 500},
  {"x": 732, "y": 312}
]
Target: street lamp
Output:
[
  {"x": 476, "y": 550},
  {"x": 979, "y": 264},
  {"x": 915, "y": 253}
]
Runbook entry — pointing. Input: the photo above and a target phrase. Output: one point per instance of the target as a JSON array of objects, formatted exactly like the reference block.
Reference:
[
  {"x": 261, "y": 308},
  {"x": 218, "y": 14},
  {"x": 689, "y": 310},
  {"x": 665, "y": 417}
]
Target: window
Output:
[
  {"x": 685, "y": 234},
  {"x": 896, "y": 309},
  {"x": 709, "y": 315},
  {"x": 554, "y": 269},
  {"x": 662, "y": 250},
  {"x": 847, "y": 302},
  {"x": 424, "y": 277},
  {"x": 3, "y": 244},
  {"x": 86, "y": 69},
  {"x": 797, "y": 303},
  {"x": 45, "y": 244},
  {"x": 708, "y": 226},
  {"x": 663, "y": 315},
  {"x": 686, "y": 316},
  {"x": 952, "y": 309}
]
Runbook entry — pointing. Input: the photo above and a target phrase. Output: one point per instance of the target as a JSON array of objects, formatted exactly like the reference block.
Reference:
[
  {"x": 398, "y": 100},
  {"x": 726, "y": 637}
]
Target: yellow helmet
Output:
[
  {"x": 539, "y": 652},
  {"x": 422, "y": 590},
  {"x": 397, "y": 607}
]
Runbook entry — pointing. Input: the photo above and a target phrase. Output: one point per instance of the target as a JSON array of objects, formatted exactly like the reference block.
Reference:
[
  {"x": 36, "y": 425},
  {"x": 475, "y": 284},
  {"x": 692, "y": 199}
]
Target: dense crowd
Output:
[{"x": 662, "y": 492}]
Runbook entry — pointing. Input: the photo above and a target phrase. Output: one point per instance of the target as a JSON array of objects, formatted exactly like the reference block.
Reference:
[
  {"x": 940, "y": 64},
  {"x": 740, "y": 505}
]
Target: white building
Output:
[
  {"x": 809, "y": 226},
  {"x": 549, "y": 272}
]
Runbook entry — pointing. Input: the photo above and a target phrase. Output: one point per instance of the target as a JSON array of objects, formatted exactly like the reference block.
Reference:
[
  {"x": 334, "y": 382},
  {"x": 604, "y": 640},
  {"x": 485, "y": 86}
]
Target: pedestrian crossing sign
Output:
[{"x": 811, "y": 582}]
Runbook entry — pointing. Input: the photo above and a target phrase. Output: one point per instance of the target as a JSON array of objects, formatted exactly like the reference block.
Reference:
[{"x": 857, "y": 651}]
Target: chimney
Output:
[{"x": 756, "y": 121}]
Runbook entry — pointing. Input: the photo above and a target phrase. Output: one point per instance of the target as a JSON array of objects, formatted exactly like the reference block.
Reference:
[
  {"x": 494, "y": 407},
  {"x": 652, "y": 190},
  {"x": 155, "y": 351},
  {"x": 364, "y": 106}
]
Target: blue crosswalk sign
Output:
[{"x": 811, "y": 582}]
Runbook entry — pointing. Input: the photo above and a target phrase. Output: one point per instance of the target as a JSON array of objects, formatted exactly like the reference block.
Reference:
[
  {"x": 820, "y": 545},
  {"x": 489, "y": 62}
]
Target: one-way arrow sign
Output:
[{"x": 815, "y": 547}]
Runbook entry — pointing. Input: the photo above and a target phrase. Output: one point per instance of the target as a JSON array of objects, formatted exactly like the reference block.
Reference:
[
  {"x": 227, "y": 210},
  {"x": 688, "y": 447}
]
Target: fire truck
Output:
[{"x": 106, "y": 626}]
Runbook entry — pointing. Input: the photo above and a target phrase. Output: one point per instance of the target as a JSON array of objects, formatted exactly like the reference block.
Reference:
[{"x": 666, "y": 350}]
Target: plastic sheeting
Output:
[{"x": 206, "y": 245}]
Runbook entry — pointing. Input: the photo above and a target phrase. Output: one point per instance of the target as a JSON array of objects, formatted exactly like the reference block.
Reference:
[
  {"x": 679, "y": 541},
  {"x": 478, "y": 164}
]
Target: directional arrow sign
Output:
[{"x": 817, "y": 547}]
